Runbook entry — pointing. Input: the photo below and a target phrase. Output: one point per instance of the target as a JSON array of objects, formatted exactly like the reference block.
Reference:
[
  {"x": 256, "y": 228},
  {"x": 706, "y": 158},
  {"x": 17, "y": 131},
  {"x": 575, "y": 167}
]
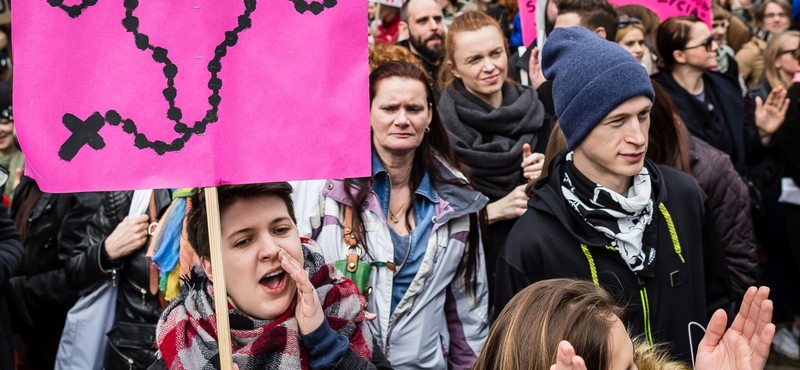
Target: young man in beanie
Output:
[{"x": 606, "y": 213}]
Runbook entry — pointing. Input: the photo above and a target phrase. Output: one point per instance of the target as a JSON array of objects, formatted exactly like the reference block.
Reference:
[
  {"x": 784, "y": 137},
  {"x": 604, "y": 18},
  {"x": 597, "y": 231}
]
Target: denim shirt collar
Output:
[{"x": 379, "y": 175}]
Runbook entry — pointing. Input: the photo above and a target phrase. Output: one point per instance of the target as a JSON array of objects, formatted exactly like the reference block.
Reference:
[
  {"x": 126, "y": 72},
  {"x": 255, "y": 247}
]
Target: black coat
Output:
[
  {"x": 13, "y": 316},
  {"x": 132, "y": 339},
  {"x": 789, "y": 135},
  {"x": 56, "y": 225},
  {"x": 546, "y": 243},
  {"x": 729, "y": 202},
  {"x": 747, "y": 147}
]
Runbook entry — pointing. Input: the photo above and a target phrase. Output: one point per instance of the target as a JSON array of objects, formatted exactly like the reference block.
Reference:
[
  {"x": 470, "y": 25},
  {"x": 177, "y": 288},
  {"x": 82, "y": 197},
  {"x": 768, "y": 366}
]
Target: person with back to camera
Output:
[{"x": 607, "y": 214}]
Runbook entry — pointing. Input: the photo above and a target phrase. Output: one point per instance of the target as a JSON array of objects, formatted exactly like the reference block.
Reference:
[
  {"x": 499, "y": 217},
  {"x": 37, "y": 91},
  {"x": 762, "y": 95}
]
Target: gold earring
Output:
[{"x": 428, "y": 129}]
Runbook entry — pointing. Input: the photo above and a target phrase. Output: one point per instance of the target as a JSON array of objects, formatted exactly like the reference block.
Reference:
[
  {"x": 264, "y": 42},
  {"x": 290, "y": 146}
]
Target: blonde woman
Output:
[{"x": 632, "y": 37}]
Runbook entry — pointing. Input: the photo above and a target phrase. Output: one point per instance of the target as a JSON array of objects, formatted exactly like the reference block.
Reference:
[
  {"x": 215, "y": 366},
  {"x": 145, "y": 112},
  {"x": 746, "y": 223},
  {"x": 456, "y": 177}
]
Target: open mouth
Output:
[{"x": 273, "y": 280}]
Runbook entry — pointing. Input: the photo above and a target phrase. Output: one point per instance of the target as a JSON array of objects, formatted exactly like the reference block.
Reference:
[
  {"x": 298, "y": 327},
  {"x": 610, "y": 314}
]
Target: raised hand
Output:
[
  {"x": 535, "y": 69},
  {"x": 745, "y": 346},
  {"x": 566, "y": 359},
  {"x": 532, "y": 163},
  {"x": 308, "y": 313},
  {"x": 770, "y": 114}
]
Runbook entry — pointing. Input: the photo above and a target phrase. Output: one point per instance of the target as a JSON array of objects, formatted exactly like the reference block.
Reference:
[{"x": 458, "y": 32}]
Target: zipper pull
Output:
[
  {"x": 641, "y": 283},
  {"x": 144, "y": 295},
  {"x": 113, "y": 277},
  {"x": 130, "y": 364}
]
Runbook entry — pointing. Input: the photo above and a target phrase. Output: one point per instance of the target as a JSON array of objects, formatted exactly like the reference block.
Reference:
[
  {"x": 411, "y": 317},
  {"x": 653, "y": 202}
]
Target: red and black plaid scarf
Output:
[{"x": 187, "y": 330}]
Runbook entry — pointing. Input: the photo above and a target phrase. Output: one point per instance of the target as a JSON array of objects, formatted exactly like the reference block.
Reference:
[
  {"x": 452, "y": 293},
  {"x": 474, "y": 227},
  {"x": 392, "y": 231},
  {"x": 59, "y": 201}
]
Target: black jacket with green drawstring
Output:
[{"x": 688, "y": 282}]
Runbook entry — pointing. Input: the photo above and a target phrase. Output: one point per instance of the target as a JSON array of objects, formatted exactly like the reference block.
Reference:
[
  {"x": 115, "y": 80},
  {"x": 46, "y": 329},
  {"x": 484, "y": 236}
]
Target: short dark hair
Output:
[
  {"x": 594, "y": 14},
  {"x": 196, "y": 217},
  {"x": 404, "y": 12}
]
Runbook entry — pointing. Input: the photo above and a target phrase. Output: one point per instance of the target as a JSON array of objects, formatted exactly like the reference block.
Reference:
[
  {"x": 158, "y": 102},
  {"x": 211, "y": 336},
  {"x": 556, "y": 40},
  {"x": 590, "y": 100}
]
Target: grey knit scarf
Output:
[{"x": 489, "y": 140}]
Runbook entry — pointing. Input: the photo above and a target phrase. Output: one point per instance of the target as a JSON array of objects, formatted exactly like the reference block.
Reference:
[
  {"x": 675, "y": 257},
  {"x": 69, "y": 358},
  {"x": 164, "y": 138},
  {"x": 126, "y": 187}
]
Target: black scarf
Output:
[
  {"x": 489, "y": 140},
  {"x": 762, "y": 34},
  {"x": 622, "y": 219}
]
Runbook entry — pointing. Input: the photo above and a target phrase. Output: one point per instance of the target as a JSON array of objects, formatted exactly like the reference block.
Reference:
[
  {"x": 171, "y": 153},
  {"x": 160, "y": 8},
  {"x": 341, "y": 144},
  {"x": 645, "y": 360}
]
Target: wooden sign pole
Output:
[{"x": 218, "y": 270}]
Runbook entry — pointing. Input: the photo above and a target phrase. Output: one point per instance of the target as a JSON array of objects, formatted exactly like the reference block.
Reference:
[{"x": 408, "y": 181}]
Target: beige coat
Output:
[{"x": 751, "y": 61}]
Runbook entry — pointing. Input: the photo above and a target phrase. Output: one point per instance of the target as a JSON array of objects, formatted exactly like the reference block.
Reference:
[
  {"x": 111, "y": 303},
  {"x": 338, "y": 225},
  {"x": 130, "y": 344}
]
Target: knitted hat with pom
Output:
[{"x": 591, "y": 77}]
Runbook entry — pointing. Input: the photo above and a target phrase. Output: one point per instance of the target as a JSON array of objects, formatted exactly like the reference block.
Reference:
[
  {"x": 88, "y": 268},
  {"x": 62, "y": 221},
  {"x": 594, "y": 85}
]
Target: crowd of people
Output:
[{"x": 605, "y": 200}]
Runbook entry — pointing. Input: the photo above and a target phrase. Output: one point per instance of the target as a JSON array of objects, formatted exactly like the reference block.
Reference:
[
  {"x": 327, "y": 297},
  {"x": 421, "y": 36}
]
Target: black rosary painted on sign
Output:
[{"x": 87, "y": 132}]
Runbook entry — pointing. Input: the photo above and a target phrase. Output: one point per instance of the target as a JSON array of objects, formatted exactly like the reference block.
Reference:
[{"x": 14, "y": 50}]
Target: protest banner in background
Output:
[
  {"x": 394, "y": 3},
  {"x": 531, "y": 12},
  {"x": 5, "y": 12},
  {"x": 673, "y": 8},
  {"x": 116, "y": 95},
  {"x": 527, "y": 19}
]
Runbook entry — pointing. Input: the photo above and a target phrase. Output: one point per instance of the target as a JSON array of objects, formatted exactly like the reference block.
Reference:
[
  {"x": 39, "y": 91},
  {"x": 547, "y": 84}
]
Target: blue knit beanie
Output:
[{"x": 591, "y": 77}]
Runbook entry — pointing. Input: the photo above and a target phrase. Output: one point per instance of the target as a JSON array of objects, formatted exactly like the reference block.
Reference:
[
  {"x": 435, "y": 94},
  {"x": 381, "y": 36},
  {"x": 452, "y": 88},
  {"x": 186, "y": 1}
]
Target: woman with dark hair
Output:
[
  {"x": 494, "y": 125},
  {"x": 771, "y": 18},
  {"x": 288, "y": 308},
  {"x": 416, "y": 220},
  {"x": 728, "y": 198},
  {"x": 565, "y": 324},
  {"x": 710, "y": 103}
]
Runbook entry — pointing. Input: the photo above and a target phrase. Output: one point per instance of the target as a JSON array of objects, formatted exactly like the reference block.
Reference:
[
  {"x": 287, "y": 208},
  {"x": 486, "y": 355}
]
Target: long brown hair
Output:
[
  {"x": 527, "y": 332},
  {"x": 772, "y": 52},
  {"x": 555, "y": 144},
  {"x": 467, "y": 22},
  {"x": 434, "y": 148},
  {"x": 668, "y": 137}
]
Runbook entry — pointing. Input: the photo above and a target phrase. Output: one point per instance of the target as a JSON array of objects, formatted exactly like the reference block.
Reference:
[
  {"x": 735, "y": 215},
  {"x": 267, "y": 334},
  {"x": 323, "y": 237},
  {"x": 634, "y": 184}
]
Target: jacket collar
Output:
[
  {"x": 424, "y": 189},
  {"x": 548, "y": 198},
  {"x": 453, "y": 200}
]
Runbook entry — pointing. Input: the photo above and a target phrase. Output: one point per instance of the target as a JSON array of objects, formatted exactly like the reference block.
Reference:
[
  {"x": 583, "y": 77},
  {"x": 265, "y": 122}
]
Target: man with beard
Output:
[{"x": 421, "y": 24}]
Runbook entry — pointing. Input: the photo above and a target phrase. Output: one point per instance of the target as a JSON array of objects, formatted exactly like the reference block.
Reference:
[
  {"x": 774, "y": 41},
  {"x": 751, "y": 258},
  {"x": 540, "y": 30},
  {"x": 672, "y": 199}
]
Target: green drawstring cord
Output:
[
  {"x": 672, "y": 233},
  {"x": 676, "y": 244},
  {"x": 592, "y": 267},
  {"x": 646, "y": 307}
]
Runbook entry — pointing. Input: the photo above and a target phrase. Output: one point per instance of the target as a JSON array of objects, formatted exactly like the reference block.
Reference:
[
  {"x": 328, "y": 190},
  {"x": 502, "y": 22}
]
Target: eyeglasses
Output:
[
  {"x": 625, "y": 22},
  {"x": 723, "y": 23},
  {"x": 707, "y": 43},
  {"x": 775, "y": 15},
  {"x": 793, "y": 52}
]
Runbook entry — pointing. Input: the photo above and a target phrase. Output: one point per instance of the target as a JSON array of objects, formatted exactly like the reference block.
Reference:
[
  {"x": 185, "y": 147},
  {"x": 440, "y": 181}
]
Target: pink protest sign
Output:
[
  {"x": 527, "y": 19},
  {"x": 113, "y": 95},
  {"x": 673, "y": 8},
  {"x": 663, "y": 8}
]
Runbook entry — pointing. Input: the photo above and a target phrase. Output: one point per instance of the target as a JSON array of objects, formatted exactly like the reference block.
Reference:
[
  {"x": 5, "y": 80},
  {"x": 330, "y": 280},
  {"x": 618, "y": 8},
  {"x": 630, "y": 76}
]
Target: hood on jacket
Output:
[{"x": 547, "y": 197}]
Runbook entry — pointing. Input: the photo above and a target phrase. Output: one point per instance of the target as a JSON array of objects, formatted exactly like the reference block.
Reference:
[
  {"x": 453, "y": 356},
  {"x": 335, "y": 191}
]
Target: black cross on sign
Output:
[{"x": 83, "y": 133}]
